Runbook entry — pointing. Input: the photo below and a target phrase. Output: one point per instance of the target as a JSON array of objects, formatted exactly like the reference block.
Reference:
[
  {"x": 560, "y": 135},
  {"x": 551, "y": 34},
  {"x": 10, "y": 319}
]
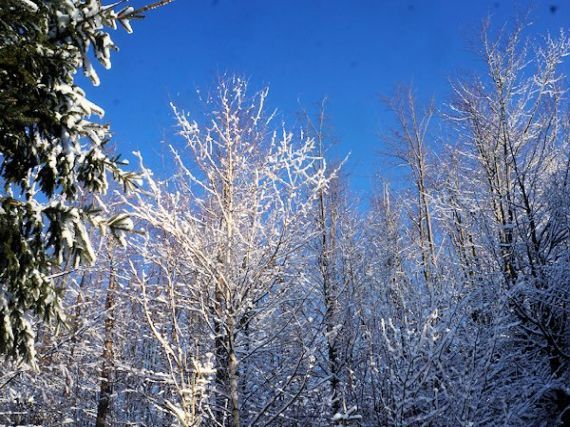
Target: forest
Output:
[{"x": 247, "y": 283}]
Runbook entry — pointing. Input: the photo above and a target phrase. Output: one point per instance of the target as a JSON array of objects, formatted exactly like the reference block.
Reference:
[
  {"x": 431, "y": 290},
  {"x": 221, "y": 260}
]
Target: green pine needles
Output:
[{"x": 52, "y": 154}]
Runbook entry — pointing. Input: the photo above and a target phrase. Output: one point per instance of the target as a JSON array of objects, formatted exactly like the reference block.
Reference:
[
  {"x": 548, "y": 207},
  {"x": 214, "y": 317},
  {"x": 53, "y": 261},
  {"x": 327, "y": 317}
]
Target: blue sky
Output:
[{"x": 351, "y": 51}]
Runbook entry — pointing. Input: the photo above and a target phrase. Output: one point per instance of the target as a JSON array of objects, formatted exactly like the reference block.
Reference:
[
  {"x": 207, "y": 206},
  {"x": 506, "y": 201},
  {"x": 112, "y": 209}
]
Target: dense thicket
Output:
[{"x": 258, "y": 291}]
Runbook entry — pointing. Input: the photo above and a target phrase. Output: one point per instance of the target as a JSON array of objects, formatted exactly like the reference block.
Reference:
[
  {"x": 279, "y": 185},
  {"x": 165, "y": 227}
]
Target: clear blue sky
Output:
[{"x": 350, "y": 51}]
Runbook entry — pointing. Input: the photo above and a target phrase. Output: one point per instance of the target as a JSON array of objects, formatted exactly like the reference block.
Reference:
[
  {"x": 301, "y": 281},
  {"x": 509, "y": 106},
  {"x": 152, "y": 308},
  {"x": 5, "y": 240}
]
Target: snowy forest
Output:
[{"x": 247, "y": 284}]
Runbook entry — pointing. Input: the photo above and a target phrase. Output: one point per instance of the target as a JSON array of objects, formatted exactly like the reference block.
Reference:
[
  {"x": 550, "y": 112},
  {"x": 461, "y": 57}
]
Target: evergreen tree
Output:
[{"x": 51, "y": 153}]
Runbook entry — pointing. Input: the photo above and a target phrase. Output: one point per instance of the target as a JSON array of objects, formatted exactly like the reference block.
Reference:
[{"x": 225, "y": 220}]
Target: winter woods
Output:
[{"x": 253, "y": 287}]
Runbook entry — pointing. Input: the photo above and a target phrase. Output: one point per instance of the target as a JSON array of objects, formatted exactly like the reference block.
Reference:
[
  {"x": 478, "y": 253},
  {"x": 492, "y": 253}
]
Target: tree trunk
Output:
[{"x": 108, "y": 366}]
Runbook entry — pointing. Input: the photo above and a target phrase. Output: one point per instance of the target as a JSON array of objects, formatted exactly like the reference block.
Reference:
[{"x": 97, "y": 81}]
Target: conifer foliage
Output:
[{"x": 51, "y": 152}]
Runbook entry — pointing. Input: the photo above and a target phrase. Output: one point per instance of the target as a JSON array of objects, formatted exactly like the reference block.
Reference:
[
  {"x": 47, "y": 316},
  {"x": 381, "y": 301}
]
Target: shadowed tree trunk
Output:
[{"x": 108, "y": 363}]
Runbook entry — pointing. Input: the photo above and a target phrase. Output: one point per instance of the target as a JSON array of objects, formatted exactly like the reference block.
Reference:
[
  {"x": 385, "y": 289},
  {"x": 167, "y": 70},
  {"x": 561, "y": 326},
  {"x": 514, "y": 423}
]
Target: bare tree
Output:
[
  {"x": 409, "y": 143},
  {"x": 237, "y": 213},
  {"x": 511, "y": 124}
]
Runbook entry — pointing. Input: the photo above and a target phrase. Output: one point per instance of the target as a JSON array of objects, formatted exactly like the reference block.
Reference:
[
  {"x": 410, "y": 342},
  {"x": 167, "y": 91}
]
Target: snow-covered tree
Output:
[
  {"x": 409, "y": 143},
  {"x": 224, "y": 238},
  {"x": 51, "y": 152},
  {"x": 511, "y": 156}
]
